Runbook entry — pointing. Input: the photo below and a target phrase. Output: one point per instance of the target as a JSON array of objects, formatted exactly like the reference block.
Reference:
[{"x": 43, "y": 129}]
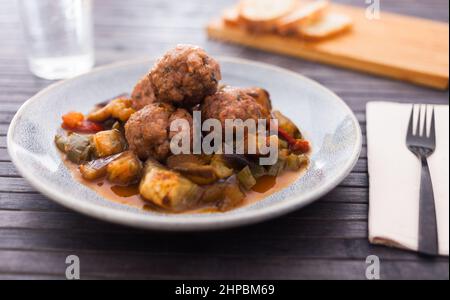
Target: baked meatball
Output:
[
  {"x": 233, "y": 103},
  {"x": 148, "y": 130},
  {"x": 142, "y": 94},
  {"x": 261, "y": 96},
  {"x": 184, "y": 76}
]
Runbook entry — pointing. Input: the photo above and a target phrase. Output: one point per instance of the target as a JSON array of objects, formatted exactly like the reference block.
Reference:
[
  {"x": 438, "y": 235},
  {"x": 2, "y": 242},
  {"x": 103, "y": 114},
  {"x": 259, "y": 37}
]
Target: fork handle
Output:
[{"x": 428, "y": 237}]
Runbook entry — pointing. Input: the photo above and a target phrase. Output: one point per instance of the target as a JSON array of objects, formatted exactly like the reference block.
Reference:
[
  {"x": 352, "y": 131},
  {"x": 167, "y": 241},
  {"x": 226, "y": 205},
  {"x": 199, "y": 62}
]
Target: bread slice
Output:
[
  {"x": 328, "y": 26},
  {"x": 230, "y": 16},
  {"x": 262, "y": 15},
  {"x": 306, "y": 12}
]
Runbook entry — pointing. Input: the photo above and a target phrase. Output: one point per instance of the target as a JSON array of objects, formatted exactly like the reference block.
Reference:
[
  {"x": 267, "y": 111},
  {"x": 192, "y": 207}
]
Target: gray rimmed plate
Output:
[{"x": 325, "y": 119}]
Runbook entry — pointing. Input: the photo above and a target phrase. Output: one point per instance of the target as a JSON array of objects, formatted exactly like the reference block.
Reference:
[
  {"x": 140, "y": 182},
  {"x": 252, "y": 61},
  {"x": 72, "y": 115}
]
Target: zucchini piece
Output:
[
  {"x": 61, "y": 142},
  {"x": 258, "y": 171},
  {"x": 303, "y": 160},
  {"x": 246, "y": 178},
  {"x": 282, "y": 144},
  {"x": 277, "y": 168},
  {"x": 78, "y": 148},
  {"x": 292, "y": 162}
]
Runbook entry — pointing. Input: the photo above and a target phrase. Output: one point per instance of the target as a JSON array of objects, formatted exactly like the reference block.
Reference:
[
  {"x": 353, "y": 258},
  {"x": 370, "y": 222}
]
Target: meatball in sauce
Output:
[
  {"x": 184, "y": 76},
  {"x": 148, "y": 130}
]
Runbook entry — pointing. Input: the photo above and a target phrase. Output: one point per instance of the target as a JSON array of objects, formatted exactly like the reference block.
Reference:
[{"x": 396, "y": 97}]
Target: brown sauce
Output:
[{"x": 129, "y": 195}]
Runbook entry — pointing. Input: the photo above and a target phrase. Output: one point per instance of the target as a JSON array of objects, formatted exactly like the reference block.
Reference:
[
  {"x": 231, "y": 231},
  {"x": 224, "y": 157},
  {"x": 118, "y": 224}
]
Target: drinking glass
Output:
[{"x": 58, "y": 35}]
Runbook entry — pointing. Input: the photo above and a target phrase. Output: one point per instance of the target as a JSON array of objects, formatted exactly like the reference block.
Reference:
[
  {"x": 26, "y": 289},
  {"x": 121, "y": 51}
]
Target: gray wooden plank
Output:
[
  {"x": 55, "y": 220},
  {"x": 3, "y": 129},
  {"x": 4, "y": 156},
  {"x": 250, "y": 244},
  {"x": 28, "y": 202},
  {"x": 6, "y": 117},
  {"x": 213, "y": 267},
  {"x": 7, "y": 169}
]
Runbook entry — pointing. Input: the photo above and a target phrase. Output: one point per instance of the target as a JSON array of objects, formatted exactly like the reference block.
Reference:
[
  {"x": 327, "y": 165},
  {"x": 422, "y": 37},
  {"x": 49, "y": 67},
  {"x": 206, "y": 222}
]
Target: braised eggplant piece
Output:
[
  {"x": 193, "y": 167},
  {"x": 125, "y": 170},
  {"x": 239, "y": 162},
  {"x": 213, "y": 193},
  {"x": 199, "y": 174},
  {"x": 167, "y": 189},
  {"x": 287, "y": 125},
  {"x": 180, "y": 159},
  {"x": 108, "y": 142},
  {"x": 96, "y": 168}
]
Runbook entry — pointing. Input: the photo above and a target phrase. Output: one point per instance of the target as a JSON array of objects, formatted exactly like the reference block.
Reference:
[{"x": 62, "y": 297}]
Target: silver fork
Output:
[{"x": 423, "y": 145}]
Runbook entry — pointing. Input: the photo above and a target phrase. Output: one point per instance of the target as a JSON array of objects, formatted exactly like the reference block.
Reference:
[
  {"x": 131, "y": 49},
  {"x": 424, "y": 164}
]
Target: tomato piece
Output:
[
  {"x": 89, "y": 127},
  {"x": 297, "y": 145},
  {"x": 302, "y": 146},
  {"x": 72, "y": 119},
  {"x": 286, "y": 136}
]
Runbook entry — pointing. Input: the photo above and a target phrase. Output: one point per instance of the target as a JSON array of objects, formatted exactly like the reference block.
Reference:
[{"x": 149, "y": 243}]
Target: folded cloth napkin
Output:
[{"x": 394, "y": 176}]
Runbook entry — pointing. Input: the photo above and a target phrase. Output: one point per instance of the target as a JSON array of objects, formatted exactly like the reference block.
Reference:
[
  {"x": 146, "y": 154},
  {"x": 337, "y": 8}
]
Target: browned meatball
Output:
[
  {"x": 261, "y": 96},
  {"x": 148, "y": 130},
  {"x": 185, "y": 76},
  {"x": 233, "y": 103},
  {"x": 142, "y": 94}
]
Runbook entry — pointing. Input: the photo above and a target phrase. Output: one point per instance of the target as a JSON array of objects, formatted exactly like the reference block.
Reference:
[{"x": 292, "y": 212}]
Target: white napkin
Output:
[{"x": 394, "y": 176}]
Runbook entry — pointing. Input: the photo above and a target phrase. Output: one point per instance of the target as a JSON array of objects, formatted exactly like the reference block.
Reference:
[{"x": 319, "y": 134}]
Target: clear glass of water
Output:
[{"x": 59, "y": 36}]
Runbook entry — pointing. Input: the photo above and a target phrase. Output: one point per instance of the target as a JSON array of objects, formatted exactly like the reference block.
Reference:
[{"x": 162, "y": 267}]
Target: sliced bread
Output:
[
  {"x": 306, "y": 12},
  {"x": 263, "y": 15},
  {"x": 230, "y": 16},
  {"x": 328, "y": 26}
]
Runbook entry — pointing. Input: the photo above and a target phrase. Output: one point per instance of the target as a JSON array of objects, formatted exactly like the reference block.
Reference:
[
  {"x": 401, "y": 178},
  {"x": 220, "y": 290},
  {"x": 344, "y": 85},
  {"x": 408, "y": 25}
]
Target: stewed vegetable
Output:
[
  {"x": 108, "y": 142},
  {"x": 167, "y": 189},
  {"x": 118, "y": 109},
  {"x": 78, "y": 148},
  {"x": 96, "y": 168},
  {"x": 125, "y": 170}
]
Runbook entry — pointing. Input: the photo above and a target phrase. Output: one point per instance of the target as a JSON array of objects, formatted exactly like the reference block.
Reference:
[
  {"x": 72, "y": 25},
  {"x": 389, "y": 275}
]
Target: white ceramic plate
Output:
[{"x": 324, "y": 118}]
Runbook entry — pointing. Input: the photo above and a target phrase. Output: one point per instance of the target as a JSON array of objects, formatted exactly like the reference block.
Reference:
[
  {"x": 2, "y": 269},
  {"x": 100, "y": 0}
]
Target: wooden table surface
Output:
[{"x": 327, "y": 240}]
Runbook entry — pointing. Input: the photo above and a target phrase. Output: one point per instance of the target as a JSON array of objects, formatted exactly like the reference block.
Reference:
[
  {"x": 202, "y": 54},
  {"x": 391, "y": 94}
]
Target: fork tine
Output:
[
  {"x": 419, "y": 122},
  {"x": 410, "y": 124},
  {"x": 433, "y": 127},
  {"x": 425, "y": 126}
]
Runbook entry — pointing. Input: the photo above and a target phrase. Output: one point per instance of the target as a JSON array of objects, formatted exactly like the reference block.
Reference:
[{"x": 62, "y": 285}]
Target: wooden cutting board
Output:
[{"x": 405, "y": 48}]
